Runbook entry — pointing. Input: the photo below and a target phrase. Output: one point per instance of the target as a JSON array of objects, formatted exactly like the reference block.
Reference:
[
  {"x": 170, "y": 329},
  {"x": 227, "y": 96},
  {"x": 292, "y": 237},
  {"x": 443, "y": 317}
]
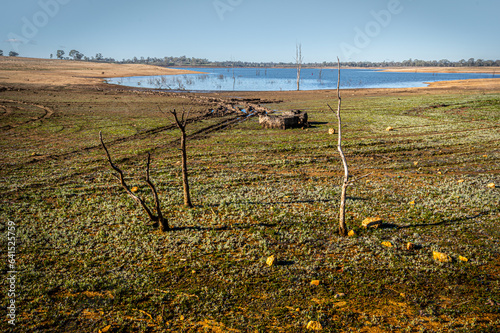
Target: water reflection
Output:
[{"x": 276, "y": 79}]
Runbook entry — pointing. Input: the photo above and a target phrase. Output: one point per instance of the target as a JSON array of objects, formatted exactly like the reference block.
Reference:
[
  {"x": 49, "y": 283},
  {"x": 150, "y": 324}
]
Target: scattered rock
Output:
[
  {"x": 271, "y": 261},
  {"x": 351, "y": 233},
  {"x": 412, "y": 202},
  {"x": 314, "y": 326},
  {"x": 105, "y": 329},
  {"x": 441, "y": 257},
  {"x": 410, "y": 246},
  {"x": 464, "y": 259},
  {"x": 461, "y": 180},
  {"x": 331, "y": 131},
  {"x": 315, "y": 282},
  {"x": 415, "y": 163},
  {"x": 134, "y": 189},
  {"x": 371, "y": 222},
  {"x": 387, "y": 244},
  {"x": 339, "y": 295},
  {"x": 388, "y": 129},
  {"x": 491, "y": 185}
]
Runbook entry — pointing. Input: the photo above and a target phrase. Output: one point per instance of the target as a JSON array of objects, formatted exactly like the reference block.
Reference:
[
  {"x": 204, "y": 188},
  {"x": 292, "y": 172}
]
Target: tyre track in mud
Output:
[
  {"x": 222, "y": 108},
  {"x": 48, "y": 113},
  {"x": 201, "y": 133}
]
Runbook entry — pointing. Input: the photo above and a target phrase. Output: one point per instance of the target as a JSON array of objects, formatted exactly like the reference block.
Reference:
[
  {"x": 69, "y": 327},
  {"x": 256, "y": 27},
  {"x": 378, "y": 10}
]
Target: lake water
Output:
[{"x": 277, "y": 79}]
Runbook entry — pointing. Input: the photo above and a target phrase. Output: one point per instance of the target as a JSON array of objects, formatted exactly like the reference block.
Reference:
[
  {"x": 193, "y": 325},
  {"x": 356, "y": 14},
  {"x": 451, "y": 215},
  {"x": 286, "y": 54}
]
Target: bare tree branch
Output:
[
  {"x": 185, "y": 183},
  {"x": 345, "y": 183},
  {"x": 162, "y": 222}
]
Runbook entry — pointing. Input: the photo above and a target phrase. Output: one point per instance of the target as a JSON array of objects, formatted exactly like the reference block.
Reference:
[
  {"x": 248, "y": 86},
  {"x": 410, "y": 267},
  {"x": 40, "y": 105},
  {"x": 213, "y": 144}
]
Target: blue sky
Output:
[{"x": 255, "y": 30}]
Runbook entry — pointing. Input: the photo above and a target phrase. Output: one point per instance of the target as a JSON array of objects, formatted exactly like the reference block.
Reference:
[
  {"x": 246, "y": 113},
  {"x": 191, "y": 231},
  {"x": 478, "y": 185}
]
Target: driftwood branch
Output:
[
  {"x": 345, "y": 183},
  {"x": 155, "y": 218},
  {"x": 181, "y": 123}
]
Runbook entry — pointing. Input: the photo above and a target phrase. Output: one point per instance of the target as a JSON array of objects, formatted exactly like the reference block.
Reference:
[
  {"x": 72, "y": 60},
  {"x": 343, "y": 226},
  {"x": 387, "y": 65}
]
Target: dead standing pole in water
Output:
[
  {"x": 345, "y": 183},
  {"x": 298, "y": 60}
]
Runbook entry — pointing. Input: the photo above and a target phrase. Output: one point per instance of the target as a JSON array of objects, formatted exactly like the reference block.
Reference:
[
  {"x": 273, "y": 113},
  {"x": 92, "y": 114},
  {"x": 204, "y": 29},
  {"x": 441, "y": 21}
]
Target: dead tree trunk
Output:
[
  {"x": 185, "y": 183},
  {"x": 158, "y": 219},
  {"x": 345, "y": 183},
  {"x": 298, "y": 59}
]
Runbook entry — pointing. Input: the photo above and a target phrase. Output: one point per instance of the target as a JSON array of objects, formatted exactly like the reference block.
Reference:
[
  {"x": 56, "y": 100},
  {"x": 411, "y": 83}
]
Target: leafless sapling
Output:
[
  {"x": 158, "y": 219},
  {"x": 345, "y": 183},
  {"x": 181, "y": 123}
]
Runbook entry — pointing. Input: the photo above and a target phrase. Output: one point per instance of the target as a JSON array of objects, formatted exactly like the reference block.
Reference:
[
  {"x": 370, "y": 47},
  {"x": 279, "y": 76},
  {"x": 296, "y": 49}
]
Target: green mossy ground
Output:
[{"x": 87, "y": 256}]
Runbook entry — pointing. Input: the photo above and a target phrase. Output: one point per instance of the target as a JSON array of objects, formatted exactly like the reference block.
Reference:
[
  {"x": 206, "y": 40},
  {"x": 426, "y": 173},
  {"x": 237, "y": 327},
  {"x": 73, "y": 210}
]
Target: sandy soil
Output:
[
  {"x": 492, "y": 70},
  {"x": 66, "y": 72}
]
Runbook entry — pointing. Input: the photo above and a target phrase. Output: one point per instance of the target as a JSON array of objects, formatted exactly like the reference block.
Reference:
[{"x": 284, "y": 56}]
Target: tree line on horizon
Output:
[
  {"x": 198, "y": 62},
  {"x": 185, "y": 61}
]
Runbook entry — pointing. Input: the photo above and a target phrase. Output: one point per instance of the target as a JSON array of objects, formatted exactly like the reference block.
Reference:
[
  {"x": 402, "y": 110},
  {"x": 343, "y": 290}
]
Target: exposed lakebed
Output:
[{"x": 278, "y": 79}]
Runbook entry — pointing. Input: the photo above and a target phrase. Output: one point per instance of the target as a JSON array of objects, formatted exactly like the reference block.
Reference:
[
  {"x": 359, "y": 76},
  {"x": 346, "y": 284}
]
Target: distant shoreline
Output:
[
  {"x": 493, "y": 70},
  {"x": 55, "y": 72}
]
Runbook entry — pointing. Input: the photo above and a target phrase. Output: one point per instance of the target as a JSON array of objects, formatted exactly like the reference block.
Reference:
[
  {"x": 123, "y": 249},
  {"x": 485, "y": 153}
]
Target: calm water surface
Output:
[{"x": 277, "y": 79}]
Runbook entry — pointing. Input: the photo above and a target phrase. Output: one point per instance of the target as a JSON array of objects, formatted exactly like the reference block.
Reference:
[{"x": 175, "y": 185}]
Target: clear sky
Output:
[{"x": 255, "y": 30}]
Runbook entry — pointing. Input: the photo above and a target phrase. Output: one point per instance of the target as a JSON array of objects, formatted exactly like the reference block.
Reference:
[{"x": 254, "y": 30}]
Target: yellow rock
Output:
[
  {"x": 491, "y": 185},
  {"x": 314, "y": 326},
  {"x": 351, "y": 233},
  {"x": 134, "y": 189},
  {"x": 441, "y": 257},
  {"x": 388, "y": 244},
  {"x": 415, "y": 163},
  {"x": 315, "y": 282},
  {"x": 461, "y": 181},
  {"x": 388, "y": 129},
  {"x": 331, "y": 131},
  {"x": 371, "y": 221},
  {"x": 412, "y": 202},
  {"x": 271, "y": 261},
  {"x": 462, "y": 259},
  {"x": 410, "y": 246},
  {"x": 105, "y": 329}
]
